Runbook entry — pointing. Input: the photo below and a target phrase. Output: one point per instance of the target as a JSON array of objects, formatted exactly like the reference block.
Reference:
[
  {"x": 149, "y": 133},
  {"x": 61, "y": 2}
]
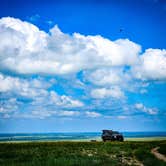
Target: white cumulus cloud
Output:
[
  {"x": 114, "y": 92},
  {"x": 104, "y": 76},
  {"x": 152, "y": 65},
  {"x": 93, "y": 66},
  {"x": 92, "y": 114},
  {"x": 143, "y": 108},
  {"x": 25, "y": 49},
  {"x": 35, "y": 91}
]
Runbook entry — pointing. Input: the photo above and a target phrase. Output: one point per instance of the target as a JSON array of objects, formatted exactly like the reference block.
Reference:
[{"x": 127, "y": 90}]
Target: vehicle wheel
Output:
[{"x": 121, "y": 139}]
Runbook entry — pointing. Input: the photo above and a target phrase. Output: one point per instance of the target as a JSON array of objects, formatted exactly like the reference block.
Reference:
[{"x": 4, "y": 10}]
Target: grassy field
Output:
[{"x": 80, "y": 153}]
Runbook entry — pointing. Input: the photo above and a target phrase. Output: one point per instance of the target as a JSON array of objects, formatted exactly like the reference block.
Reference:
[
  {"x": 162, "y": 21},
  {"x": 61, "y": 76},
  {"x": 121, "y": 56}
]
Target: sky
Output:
[{"x": 82, "y": 66}]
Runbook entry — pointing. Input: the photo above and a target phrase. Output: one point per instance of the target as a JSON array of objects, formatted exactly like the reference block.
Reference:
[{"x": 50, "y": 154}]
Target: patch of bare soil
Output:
[
  {"x": 158, "y": 155},
  {"x": 124, "y": 160},
  {"x": 127, "y": 160},
  {"x": 131, "y": 161}
]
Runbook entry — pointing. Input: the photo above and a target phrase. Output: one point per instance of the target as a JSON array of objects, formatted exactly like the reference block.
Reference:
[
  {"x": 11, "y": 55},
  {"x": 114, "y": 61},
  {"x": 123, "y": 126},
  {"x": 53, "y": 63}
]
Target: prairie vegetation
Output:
[{"x": 81, "y": 153}]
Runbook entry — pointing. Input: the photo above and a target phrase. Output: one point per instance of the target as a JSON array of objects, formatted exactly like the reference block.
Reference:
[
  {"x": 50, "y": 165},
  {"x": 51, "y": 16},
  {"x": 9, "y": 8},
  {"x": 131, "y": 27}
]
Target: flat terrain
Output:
[{"x": 81, "y": 153}]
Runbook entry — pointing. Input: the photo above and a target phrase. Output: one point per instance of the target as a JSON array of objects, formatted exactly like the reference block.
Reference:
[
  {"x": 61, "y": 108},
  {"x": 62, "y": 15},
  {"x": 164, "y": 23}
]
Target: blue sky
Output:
[{"x": 82, "y": 65}]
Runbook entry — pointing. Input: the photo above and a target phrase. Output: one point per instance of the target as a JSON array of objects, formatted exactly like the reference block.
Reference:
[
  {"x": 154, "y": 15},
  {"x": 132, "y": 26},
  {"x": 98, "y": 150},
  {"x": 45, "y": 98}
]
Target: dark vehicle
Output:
[{"x": 109, "y": 135}]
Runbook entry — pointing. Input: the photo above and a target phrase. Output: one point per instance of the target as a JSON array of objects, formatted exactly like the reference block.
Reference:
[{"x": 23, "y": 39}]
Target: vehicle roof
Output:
[{"x": 110, "y": 131}]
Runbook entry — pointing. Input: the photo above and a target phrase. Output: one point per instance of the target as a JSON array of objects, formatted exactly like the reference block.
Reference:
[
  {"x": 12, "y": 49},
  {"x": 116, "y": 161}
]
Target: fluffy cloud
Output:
[
  {"x": 68, "y": 113},
  {"x": 152, "y": 65},
  {"x": 20, "y": 37},
  {"x": 9, "y": 105},
  {"x": 27, "y": 50},
  {"x": 25, "y": 88},
  {"x": 46, "y": 113},
  {"x": 92, "y": 114},
  {"x": 64, "y": 101},
  {"x": 35, "y": 91},
  {"x": 105, "y": 76},
  {"x": 33, "y": 59},
  {"x": 114, "y": 92},
  {"x": 141, "y": 107}
]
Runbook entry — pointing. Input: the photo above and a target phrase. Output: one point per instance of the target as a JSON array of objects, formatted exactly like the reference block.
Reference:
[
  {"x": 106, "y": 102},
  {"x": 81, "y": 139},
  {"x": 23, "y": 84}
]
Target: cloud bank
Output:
[
  {"x": 25, "y": 49},
  {"x": 30, "y": 60}
]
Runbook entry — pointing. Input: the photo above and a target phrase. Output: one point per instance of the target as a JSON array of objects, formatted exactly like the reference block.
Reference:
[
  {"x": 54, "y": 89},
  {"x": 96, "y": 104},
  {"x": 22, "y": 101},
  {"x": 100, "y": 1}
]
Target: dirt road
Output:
[{"x": 157, "y": 154}]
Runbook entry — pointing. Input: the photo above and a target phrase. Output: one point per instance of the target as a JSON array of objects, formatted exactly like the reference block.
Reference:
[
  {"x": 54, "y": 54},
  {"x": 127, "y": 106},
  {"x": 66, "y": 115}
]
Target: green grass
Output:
[
  {"x": 79, "y": 153},
  {"x": 162, "y": 149}
]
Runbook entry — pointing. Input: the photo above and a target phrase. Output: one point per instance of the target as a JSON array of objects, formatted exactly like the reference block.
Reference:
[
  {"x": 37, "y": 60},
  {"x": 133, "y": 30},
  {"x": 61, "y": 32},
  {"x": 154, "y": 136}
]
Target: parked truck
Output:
[{"x": 110, "y": 135}]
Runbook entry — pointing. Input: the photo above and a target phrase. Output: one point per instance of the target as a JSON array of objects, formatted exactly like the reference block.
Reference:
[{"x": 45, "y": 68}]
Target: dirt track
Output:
[{"x": 157, "y": 154}]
